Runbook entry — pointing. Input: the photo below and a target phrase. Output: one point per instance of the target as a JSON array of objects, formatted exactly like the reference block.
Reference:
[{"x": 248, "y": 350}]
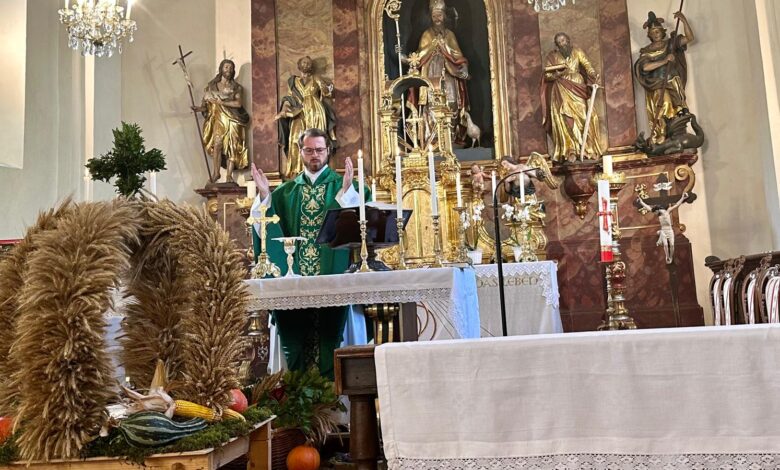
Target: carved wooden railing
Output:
[{"x": 745, "y": 289}]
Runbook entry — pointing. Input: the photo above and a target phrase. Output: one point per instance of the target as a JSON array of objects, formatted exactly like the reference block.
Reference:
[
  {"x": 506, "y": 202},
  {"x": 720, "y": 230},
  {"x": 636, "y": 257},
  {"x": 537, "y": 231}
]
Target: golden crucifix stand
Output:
[{"x": 264, "y": 267}]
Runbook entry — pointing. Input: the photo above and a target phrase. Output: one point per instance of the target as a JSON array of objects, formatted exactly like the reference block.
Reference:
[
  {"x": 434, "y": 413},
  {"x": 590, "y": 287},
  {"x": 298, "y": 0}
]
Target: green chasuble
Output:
[{"x": 308, "y": 336}]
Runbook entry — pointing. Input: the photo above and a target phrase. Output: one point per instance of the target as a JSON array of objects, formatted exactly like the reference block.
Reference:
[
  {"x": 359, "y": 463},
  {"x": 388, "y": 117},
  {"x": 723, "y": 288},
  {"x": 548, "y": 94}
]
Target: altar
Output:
[
  {"x": 532, "y": 299},
  {"x": 451, "y": 290},
  {"x": 584, "y": 400}
]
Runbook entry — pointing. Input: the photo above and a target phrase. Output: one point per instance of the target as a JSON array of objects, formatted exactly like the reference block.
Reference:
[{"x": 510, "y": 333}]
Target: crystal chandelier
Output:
[
  {"x": 548, "y": 5},
  {"x": 97, "y": 27}
]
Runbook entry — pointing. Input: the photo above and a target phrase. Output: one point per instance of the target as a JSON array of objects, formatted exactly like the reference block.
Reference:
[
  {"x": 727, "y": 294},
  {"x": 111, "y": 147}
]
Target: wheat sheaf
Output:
[{"x": 187, "y": 306}]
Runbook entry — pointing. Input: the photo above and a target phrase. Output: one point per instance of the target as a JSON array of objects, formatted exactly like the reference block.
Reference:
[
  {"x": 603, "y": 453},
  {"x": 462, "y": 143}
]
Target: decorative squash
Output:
[
  {"x": 303, "y": 457},
  {"x": 240, "y": 403},
  {"x": 6, "y": 427},
  {"x": 152, "y": 429}
]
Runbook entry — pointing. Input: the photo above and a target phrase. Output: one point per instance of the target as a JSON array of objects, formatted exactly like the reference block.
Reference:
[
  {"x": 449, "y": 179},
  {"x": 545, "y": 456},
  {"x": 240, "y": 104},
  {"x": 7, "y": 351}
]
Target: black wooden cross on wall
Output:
[{"x": 664, "y": 199}]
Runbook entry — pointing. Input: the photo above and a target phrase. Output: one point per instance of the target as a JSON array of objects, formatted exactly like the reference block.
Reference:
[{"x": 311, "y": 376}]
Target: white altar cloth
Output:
[
  {"x": 702, "y": 397},
  {"x": 451, "y": 294},
  {"x": 531, "y": 298}
]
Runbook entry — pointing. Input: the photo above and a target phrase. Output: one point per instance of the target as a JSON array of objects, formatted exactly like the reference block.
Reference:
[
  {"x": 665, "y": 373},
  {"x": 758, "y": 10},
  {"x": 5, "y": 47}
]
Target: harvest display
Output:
[{"x": 181, "y": 344}]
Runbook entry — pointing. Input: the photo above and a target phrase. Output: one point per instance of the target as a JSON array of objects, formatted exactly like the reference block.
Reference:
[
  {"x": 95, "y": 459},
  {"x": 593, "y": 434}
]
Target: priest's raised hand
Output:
[
  {"x": 261, "y": 181},
  {"x": 349, "y": 175}
]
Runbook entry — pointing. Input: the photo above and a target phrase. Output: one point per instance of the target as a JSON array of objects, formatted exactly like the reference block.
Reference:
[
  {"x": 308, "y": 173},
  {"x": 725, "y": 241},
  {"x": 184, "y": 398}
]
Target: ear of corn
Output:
[
  {"x": 227, "y": 413},
  {"x": 189, "y": 409}
]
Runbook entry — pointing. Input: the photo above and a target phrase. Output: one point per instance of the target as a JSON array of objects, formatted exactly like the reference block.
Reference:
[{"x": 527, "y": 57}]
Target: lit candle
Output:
[
  {"x": 432, "y": 177},
  {"x": 457, "y": 189},
  {"x": 251, "y": 189},
  {"x": 493, "y": 181},
  {"x": 87, "y": 186},
  {"x": 361, "y": 183},
  {"x": 153, "y": 182},
  {"x": 129, "y": 6},
  {"x": 607, "y": 164},
  {"x": 522, "y": 188},
  {"x": 399, "y": 194},
  {"x": 373, "y": 189}
]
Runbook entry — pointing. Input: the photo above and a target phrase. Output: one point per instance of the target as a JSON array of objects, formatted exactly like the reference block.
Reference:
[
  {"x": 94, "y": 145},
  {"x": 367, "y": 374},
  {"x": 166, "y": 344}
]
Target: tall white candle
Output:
[
  {"x": 399, "y": 191},
  {"x": 432, "y": 177},
  {"x": 607, "y": 164},
  {"x": 251, "y": 189},
  {"x": 373, "y": 189},
  {"x": 67, "y": 4},
  {"x": 493, "y": 182},
  {"x": 129, "y": 7},
  {"x": 457, "y": 189},
  {"x": 361, "y": 184},
  {"x": 522, "y": 188},
  {"x": 153, "y": 182},
  {"x": 87, "y": 186}
]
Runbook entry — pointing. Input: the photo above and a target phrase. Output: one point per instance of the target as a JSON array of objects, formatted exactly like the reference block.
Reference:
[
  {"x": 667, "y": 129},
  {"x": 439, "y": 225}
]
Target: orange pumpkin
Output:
[
  {"x": 303, "y": 457},
  {"x": 240, "y": 402},
  {"x": 6, "y": 426}
]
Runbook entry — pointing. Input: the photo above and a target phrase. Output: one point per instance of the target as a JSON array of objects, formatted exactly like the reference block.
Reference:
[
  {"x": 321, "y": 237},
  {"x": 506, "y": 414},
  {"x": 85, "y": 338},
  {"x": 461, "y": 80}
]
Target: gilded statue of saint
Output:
[
  {"x": 662, "y": 71},
  {"x": 565, "y": 94},
  {"x": 224, "y": 132},
  {"x": 442, "y": 62},
  {"x": 306, "y": 107}
]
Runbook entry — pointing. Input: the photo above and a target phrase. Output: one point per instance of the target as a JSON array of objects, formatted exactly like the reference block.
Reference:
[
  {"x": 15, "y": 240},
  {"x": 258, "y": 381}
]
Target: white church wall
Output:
[
  {"x": 768, "y": 19},
  {"x": 13, "y": 34},
  {"x": 53, "y": 142},
  {"x": 726, "y": 92},
  {"x": 154, "y": 93}
]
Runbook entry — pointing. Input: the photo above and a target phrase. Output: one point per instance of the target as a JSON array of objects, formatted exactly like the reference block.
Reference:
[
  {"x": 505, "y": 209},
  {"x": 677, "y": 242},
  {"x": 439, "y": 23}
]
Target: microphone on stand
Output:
[{"x": 499, "y": 260}]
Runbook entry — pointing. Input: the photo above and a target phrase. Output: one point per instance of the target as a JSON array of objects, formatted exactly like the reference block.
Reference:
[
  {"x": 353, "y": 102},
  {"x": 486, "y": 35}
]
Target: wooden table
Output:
[
  {"x": 356, "y": 377},
  {"x": 256, "y": 446}
]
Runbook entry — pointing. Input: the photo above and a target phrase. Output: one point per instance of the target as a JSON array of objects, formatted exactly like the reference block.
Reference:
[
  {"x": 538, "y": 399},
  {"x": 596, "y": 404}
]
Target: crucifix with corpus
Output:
[
  {"x": 265, "y": 267},
  {"x": 663, "y": 205}
]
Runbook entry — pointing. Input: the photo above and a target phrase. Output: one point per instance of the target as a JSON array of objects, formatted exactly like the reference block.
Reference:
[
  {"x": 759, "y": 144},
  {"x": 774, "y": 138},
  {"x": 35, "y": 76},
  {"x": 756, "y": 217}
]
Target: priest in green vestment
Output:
[{"x": 308, "y": 336}]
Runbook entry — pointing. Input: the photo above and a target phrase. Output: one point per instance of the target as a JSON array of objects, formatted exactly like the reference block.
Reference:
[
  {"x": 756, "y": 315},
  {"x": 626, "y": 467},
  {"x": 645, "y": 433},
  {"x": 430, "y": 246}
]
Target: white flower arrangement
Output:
[
  {"x": 475, "y": 216},
  {"x": 512, "y": 215}
]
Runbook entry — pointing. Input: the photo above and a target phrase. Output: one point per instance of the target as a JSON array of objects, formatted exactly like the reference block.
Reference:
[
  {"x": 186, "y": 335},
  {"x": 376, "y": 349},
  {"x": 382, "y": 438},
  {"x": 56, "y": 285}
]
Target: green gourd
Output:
[{"x": 153, "y": 429}]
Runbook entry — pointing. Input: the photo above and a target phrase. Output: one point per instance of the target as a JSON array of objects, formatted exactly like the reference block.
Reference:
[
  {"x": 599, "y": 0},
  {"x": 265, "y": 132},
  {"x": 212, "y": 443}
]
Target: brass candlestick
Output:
[
  {"x": 244, "y": 206},
  {"x": 527, "y": 253},
  {"x": 462, "y": 253},
  {"x": 617, "y": 317},
  {"x": 363, "y": 249},
  {"x": 399, "y": 224},
  {"x": 438, "y": 260}
]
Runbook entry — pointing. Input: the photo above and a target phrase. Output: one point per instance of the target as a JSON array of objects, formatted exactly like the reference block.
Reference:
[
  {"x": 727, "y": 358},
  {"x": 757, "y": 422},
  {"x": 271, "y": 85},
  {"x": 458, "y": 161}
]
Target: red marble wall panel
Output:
[
  {"x": 527, "y": 77},
  {"x": 264, "y": 86},
  {"x": 618, "y": 83},
  {"x": 347, "y": 74}
]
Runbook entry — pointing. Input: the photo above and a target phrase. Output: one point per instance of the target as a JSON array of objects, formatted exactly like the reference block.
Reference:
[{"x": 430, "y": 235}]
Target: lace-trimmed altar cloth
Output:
[
  {"x": 452, "y": 290},
  {"x": 531, "y": 295},
  {"x": 698, "y": 398}
]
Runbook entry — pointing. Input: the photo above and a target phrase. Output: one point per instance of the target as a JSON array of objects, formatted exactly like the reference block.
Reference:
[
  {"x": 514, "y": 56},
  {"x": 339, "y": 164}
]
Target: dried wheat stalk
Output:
[
  {"x": 213, "y": 343},
  {"x": 65, "y": 379},
  {"x": 13, "y": 268},
  {"x": 157, "y": 295}
]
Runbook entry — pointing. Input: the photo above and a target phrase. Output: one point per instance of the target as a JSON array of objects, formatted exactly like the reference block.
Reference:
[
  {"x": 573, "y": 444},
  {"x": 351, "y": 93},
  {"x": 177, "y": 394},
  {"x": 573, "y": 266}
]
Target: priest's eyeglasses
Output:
[{"x": 308, "y": 151}]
